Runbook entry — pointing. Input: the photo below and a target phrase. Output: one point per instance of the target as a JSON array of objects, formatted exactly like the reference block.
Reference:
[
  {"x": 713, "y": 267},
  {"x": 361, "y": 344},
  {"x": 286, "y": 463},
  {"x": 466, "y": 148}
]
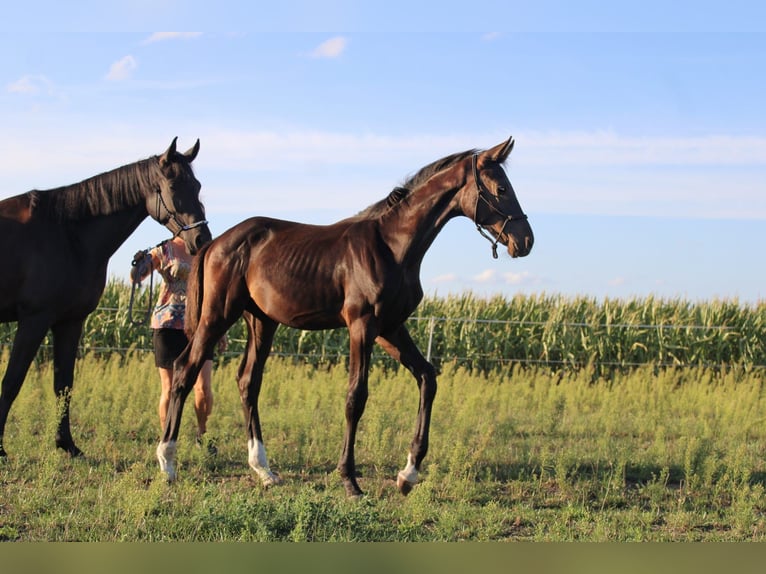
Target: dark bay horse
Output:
[
  {"x": 362, "y": 273},
  {"x": 56, "y": 245}
]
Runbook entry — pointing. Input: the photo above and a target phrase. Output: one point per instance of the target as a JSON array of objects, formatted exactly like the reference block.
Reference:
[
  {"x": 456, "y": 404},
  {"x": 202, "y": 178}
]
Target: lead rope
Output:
[{"x": 136, "y": 284}]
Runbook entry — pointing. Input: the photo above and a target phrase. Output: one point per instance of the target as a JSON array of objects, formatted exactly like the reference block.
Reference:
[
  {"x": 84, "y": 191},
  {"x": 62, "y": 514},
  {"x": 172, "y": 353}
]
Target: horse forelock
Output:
[{"x": 102, "y": 194}]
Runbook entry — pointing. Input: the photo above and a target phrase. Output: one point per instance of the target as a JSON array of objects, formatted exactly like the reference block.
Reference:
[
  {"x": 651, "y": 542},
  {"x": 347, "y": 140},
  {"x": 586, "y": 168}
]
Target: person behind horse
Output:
[{"x": 173, "y": 262}]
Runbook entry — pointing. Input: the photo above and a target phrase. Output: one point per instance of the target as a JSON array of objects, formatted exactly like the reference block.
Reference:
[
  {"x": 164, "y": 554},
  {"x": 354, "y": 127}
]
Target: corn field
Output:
[{"x": 495, "y": 333}]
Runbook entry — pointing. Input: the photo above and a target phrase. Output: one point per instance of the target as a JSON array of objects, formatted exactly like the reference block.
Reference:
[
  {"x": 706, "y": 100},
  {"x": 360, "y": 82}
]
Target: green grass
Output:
[{"x": 671, "y": 454}]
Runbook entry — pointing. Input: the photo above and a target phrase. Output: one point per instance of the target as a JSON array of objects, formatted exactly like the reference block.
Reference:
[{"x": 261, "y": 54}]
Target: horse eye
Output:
[{"x": 500, "y": 190}]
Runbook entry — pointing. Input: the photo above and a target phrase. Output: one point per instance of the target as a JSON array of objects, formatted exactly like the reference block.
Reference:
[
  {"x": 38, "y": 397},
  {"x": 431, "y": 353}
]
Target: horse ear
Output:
[
  {"x": 192, "y": 153},
  {"x": 500, "y": 152},
  {"x": 168, "y": 155}
]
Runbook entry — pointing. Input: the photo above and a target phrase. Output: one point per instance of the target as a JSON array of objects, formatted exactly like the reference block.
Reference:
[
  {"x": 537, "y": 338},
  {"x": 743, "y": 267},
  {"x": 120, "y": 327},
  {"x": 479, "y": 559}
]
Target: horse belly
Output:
[{"x": 301, "y": 302}]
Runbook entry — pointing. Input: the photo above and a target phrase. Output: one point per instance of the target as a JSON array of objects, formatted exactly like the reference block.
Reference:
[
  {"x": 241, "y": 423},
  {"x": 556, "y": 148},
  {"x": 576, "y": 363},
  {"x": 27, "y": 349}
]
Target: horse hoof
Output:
[
  {"x": 169, "y": 475},
  {"x": 166, "y": 456},
  {"x": 404, "y": 485},
  {"x": 71, "y": 450},
  {"x": 354, "y": 493},
  {"x": 270, "y": 481}
]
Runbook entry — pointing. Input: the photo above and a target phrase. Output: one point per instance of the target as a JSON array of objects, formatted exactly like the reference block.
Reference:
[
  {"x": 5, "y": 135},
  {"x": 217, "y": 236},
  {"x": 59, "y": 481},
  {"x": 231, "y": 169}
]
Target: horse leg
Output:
[
  {"x": 30, "y": 333},
  {"x": 186, "y": 368},
  {"x": 260, "y": 334},
  {"x": 66, "y": 338},
  {"x": 361, "y": 339},
  {"x": 400, "y": 346}
]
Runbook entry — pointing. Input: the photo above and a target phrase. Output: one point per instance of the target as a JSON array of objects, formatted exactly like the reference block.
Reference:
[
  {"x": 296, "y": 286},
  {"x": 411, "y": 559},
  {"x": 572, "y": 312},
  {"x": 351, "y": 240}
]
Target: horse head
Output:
[
  {"x": 491, "y": 202},
  {"x": 176, "y": 204}
]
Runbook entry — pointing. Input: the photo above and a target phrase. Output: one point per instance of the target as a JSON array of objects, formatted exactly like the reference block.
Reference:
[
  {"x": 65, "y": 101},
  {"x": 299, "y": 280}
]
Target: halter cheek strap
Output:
[
  {"x": 173, "y": 217},
  {"x": 480, "y": 190}
]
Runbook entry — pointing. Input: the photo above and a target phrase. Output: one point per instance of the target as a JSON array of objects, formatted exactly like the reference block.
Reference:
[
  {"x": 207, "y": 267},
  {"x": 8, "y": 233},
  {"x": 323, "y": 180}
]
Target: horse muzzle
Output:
[{"x": 196, "y": 236}]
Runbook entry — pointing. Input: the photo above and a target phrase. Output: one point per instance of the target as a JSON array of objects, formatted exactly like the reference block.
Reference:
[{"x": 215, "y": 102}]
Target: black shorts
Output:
[{"x": 168, "y": 344}]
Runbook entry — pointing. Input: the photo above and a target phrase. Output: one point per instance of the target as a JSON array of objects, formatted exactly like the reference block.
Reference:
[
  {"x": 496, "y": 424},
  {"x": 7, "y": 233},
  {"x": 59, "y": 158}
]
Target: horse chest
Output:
[{"x": 399, "y": 303}]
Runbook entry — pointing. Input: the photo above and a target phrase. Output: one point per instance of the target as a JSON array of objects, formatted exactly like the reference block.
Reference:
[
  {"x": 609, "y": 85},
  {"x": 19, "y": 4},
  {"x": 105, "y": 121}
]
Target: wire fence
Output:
[{"x": 481, "y": 343}]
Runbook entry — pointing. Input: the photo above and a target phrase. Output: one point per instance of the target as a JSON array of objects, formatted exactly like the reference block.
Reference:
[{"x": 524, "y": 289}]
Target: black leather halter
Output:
[
  {"x": 172, "y": 217},
  {"x": 481, "y": 193}
]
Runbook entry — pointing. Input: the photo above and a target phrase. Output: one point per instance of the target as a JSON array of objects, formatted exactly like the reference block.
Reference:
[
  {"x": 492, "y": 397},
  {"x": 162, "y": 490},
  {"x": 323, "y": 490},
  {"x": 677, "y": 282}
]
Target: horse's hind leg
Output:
[
  {"x": 66, "y": 338},
  {"x": 401, "y": 347},
  {"x": 29, "y": 334},
  {"x": 260, "y": 334}
]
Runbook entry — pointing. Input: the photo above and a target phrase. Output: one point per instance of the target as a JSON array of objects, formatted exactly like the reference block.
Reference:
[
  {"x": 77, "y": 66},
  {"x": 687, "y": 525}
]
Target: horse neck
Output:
[
  {"x": 102, "y": 211},
  {"x": 411, "y": 227},
  {"x": 100, "y": 236}
]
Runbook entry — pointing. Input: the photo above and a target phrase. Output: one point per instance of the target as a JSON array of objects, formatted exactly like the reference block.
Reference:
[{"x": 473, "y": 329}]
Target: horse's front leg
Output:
[
  {"x": 30, "y": 333},
  {"x": 260, "y": 335},
  {"x": 66, "y": 338},
  {"x": 361, "y": 337},
  {"x": 400, "y": 346}
]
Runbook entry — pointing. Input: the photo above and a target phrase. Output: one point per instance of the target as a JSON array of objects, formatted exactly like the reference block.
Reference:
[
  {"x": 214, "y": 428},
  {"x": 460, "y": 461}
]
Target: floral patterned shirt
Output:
[{"x": 173, "y": 264}]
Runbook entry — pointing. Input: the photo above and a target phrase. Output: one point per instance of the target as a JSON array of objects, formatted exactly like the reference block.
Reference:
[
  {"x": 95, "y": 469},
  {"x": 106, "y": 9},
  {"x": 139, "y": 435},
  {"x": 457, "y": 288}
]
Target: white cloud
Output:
[
  {"x": 331, "y": 48},
  {"x": 26, "y": 85},
  {"x": 162, "y": 36},
  {"x": 520, "y": 278},
  {"x": 606, "y": 148},
  {"x": 122, "y": 69},
  {"x": 486, "y": 276},
  {"x": 445, "y": 278},
  {"x": 358, "y": 168},
  {"x": 36, "y": 88}
]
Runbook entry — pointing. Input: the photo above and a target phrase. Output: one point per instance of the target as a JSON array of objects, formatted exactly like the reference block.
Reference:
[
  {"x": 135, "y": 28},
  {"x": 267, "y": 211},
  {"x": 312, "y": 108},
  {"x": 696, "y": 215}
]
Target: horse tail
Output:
[{"x": 195, "y": 291}]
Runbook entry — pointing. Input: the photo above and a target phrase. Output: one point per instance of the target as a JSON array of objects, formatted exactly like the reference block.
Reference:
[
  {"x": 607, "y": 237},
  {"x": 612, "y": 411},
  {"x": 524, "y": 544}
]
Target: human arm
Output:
[{"x": 141, "y": 266}]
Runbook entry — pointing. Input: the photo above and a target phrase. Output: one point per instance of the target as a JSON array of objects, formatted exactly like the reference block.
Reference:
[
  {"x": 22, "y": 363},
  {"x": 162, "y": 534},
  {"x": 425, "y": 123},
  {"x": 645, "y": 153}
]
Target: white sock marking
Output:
[
  {"x": 256, "y": 458},
  {"x": 166, "y": 454},
  {"x": 410, "y": 473}
]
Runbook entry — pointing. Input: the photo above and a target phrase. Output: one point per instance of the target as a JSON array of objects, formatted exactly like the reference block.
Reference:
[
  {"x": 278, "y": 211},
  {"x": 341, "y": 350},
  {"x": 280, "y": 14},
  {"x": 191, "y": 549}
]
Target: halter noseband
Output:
[
  {"x": 479, "y": 196},
  {"x": 172, "y": 216}
]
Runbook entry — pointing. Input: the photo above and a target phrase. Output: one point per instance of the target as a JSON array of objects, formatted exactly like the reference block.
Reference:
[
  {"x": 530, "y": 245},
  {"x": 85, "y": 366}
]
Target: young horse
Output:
[
  {"x": 361, "y": 273},
  {"x": 56, "y": 245}
]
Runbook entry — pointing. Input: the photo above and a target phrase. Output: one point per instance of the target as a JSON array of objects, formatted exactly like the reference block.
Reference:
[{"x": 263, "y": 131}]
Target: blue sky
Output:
[{"x": 640, "y": 141}]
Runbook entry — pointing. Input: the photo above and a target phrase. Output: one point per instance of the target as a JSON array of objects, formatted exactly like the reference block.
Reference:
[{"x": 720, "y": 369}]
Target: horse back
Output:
[{"x": 314, "y": 276}]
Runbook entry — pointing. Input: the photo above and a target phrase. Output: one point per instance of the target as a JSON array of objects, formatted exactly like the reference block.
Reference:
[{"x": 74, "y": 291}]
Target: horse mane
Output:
[
  {"x": 399, "y": 193},
  {"x": 101, "y": 194}
]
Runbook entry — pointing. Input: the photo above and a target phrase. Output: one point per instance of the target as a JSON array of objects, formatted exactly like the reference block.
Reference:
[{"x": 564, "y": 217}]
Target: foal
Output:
[{"x": 362, "y": 273}]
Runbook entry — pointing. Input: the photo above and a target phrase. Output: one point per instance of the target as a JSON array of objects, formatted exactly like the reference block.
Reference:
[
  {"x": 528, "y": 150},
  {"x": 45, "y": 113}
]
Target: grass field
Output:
[{"x": 673, "y": 454}]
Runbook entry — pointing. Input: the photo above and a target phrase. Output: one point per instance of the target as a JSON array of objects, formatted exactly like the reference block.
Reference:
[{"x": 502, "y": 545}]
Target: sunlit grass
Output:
[{"x": 525, "y": 454}]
